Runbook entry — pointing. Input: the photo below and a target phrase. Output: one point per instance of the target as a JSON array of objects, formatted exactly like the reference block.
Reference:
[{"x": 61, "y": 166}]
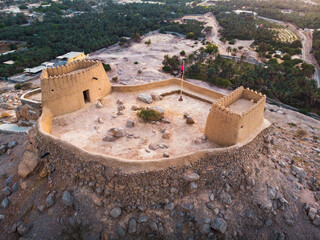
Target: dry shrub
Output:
[{"x": 300, "y": 133}]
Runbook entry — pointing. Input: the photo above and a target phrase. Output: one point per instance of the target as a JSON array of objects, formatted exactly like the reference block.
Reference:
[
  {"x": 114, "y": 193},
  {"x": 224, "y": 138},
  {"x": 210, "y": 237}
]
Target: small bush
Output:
[
  {"x": 182, "y": 53},
  {"x": 106, "y": 67},
  {"x": 291, "y": 124},
  {"x": 300, "y": 133},
  {"x": 222, "y": 82},
  {"x": 232, "y": 42},
  {"x": 149, "y": 115},
  {"x": 135, "y": 62},
  {"x": 190, "y": 35},
  {"x": 23, "y": 86},
  {"x": 139, "y": 71},
  {"x": 17, "y": 86},
  {"x": 115, "y": 79},
  {"x": 286, "y": 57}
]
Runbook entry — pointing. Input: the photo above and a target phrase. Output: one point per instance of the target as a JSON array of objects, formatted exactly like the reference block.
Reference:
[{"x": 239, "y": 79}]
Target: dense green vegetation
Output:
[
  {"x": 248, "y": 28},
  {"x": 304, "y": 15},
  {"x": 316, "y": 45},
  {"x": 7, "y": 20},
  {"x": 88, "y": 32},
  {"x": 191, "y": 28},
  {"x": 289, "y": 82}
]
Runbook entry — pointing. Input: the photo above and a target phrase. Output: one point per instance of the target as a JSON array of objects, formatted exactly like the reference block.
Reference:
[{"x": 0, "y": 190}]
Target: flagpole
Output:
[{"x": 180, "y": 98}]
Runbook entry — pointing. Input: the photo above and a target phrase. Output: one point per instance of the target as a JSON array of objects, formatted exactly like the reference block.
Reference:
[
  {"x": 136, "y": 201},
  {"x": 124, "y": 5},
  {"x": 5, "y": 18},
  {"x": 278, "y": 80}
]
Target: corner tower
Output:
[
  {"x": 69, "y": 87},
  {"x": 235, "y": 116}
]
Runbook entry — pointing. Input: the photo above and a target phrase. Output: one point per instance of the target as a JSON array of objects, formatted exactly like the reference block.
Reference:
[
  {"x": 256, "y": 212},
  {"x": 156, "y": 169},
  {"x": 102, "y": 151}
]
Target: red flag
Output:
[{"x": 182, "y": 68}]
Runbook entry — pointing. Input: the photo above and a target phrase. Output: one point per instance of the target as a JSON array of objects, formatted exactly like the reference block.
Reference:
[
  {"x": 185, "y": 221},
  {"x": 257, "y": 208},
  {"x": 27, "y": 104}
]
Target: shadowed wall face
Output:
[
  {"x": 226, "y": 127},
  {"x": 68, "y": 88}
]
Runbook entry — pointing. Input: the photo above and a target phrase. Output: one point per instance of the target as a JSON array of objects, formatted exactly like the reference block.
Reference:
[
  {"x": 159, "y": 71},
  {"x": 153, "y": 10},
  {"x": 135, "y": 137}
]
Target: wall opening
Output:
[{"x": 86, "y": 96}]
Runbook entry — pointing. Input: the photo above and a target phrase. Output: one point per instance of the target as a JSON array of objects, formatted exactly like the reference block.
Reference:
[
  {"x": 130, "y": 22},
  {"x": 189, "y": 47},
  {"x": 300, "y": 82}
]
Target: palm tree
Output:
[{"x": 229, "y": 49}]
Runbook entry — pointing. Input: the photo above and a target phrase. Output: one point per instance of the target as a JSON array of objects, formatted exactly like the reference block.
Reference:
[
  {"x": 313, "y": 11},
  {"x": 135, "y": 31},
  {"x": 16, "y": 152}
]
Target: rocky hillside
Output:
[{"x": 278, "y": 198}]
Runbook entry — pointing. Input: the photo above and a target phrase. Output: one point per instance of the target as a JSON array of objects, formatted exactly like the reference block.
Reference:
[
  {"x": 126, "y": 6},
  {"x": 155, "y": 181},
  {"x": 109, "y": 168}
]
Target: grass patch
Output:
[{"x": 148, "y": 115}]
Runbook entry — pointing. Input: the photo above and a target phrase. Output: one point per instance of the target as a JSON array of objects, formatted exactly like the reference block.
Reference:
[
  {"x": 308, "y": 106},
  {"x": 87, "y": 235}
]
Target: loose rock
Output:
[
  {"x": 189, "y": 120},
  {"x": 115, "y": 212},
  {"x": 130, "y": 124},
  {"x": 132, "y": 228},
  {"x": 99, "y": 105},
  {"x": 220, "y": 225},
  {"x": 67, "y": 199},
  {"x": 28, "y": 164},
  {"x": 145, "y": 98}
]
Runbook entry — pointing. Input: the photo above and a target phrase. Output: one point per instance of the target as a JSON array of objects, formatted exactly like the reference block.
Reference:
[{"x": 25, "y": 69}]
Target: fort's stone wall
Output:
[
  {"x": 158, "y": 186},
  {"x": 63, "y": 87}
]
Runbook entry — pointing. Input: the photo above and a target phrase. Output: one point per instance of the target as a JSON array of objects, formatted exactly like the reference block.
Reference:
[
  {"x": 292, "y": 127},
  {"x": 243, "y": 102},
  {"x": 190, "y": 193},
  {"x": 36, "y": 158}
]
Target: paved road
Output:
[{"x": 306, "y": 40}]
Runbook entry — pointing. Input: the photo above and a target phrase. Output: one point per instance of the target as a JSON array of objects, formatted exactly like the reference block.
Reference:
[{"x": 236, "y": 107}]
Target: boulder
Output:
[
  {"x": 28, "y": 164},
  {"x": 26, "y": 112},
  {"x": 12, "y": 144},
  {"x": 156, "y": 96},
  {"x": 3, "y": 149},
  {"x": 166, "y": 135},
  {"x": 189, "y": 120},
  {"x": 50, "y": 200},
  {"x": 100, "y": 120},
  {"x": 298, "y": 172},
  {"x": 5, "y": 203},
  {"x": 132, "y": 226},
  {"x": 312, "y": 213},
  {"x": 130, "y": 124},
  {"x": 67, "y": 199},
  {"x": 219, "y": 225},
  {"x": 165, "y": 155},
  {"x": 6, "y": 106},
  {"x": 115, "y": 212},
  {"x": 99, "y": 105},
  {"x": 7, "y": 191},
  {"x": 191, "y": 176},
  {"x": 145, "y": 98}
]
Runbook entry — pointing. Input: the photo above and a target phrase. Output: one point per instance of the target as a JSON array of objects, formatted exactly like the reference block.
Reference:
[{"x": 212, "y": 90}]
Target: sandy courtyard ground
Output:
[
  {"x": 241, "y": 105},
  {"x": 82, "y": 128}
]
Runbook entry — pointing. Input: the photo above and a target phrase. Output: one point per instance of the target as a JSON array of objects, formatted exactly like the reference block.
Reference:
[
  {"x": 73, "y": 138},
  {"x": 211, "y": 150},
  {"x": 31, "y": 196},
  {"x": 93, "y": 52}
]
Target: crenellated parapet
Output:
[
  {"x": 68, "y": 87},
  {"x": 227, "y": 127}
]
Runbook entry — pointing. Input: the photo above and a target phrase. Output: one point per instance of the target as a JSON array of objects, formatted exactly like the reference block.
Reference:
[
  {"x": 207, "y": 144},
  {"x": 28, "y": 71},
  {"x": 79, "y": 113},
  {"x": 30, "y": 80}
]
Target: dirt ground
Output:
[
  {"x": 127, "y": 61},
  {"x": 82, "y": 129},
  {"x": 241, "y": 105}
]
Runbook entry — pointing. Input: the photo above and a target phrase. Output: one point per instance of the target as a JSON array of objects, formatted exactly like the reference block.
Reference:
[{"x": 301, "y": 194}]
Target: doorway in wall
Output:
[{"x": 86, "y": 96}]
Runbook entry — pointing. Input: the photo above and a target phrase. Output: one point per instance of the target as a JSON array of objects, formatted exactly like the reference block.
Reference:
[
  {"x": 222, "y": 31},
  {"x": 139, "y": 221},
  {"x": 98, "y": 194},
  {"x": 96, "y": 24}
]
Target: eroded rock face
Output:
[
  {"x": 26, "y": 112},
  {"x": 28, "y": 164}
]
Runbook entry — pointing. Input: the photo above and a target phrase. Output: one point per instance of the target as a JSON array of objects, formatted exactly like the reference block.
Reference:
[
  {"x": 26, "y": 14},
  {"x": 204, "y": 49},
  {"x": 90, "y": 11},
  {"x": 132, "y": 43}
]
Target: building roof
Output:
[
  {"x": 34, "y": 70},
  {"x": 69, "y": 55},
  {"x": 10, "y": 62}
]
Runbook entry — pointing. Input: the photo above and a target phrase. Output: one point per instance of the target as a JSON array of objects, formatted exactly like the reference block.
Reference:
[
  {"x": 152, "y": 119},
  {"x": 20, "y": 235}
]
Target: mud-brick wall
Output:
[
  {"x": 226, "y": 127},
  {"x": 62, "y": 87},
  {"x": 151, "y": 187}
]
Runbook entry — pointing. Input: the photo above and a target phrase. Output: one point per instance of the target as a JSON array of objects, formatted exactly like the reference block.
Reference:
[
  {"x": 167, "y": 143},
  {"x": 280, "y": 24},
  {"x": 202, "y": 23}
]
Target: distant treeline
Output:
[{"x": 88, "y": 32}]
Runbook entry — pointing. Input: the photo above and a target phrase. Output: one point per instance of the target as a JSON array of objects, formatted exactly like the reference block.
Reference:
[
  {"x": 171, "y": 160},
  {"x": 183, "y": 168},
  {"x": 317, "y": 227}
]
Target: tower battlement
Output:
[{"x": 235, "y": 116}]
